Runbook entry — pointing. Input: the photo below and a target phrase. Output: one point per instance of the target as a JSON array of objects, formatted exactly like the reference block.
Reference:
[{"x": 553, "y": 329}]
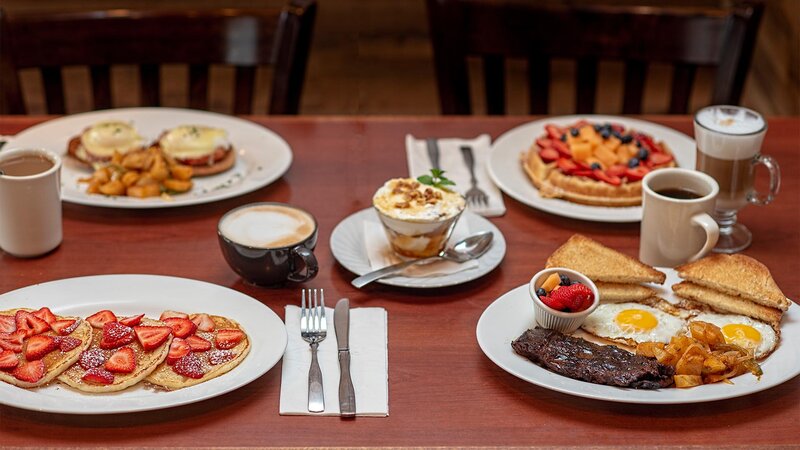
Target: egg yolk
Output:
[
  {"x": 636, "y": 320},
  {"x": 741, "y": 335}
]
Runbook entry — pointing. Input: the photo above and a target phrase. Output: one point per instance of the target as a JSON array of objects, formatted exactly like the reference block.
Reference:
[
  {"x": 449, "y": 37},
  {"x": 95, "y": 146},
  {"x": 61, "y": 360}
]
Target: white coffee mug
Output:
[
  {"x": 677, "y": 226},
  {"x": 30, "y": 202}
]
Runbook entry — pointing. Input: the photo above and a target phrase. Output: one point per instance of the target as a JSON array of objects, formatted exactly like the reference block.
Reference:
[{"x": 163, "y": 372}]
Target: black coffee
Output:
[{"x": 679, "y": 193}]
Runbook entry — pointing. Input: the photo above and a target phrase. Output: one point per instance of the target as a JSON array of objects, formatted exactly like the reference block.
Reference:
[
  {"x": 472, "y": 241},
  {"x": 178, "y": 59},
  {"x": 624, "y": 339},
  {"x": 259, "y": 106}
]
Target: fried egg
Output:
[
  {"x": 104, "y": 138},
  {"x": 193, "y": 141},
  {"x": 743, "y": 331},
  {"x": 633, "y": 323}
]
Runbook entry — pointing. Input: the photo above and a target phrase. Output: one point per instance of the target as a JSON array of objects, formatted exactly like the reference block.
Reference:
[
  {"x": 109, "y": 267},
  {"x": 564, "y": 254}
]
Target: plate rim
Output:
[{"x": 247, "y": 377}]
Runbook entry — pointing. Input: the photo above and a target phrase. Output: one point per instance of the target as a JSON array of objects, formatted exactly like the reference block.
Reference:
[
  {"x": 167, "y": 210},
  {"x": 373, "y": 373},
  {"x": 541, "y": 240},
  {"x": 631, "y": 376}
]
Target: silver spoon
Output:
[{"x": 464, "y": 250}]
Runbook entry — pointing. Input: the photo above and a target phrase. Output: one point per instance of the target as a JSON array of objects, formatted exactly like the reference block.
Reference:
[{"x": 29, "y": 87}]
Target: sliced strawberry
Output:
[
  {"x": 544, "y": 143},
  {"x": 39, "y": 346},
  {"x": 619, "y": 128},
  {"x": 152, "y": 337},
  {"x": 132, "y": 321},
  {"x": 116, "y": 335},
  {"x": 573, "y": 296},
  {"x": 122, "y": 361},
  {"x": 8, "y": 360},
  {"x": 7, "y": 324},
  {"x": 12, "y": 341},
  {"x": 647, "y": 142},
  {"x": 604, "y": 177},
  {"x": 567, "y": 165},
  {"x": 228, "y": 338},
  {"x": 94, "y": 357},
  {"x": 101, "y": 318},
  {"x": 553, "y": 303},
  {"x": 554, "y": 131},
  {"x": 31, "y": 371},
  {"x": 177, "y": 350},
  {"x": 45, "y": 314},
  {"x": 189, "y": 366},
  {"x": 617, "y": 170},
  {"x": 548, "y": 155},
  {"x": 167, "y": 314},
  {"x": 659, "y": 159},
  {"x": 98, "y": 375},
  {"x": 588, "y": 173},
  {"x": 64, "y": 327},
  {"x": 181, "y": 327},
  {"x": 580, "y": 124},
  {"x": 30, "y": 324},
  {"x": 204, "y": 322},
  {"x": 220, "y": 356},
  {"x": 636, "y": 174},
  {"x": 197, "y": 343},
  {"x": 562, "y": 149},
  {"x": 67, "y": 343}
]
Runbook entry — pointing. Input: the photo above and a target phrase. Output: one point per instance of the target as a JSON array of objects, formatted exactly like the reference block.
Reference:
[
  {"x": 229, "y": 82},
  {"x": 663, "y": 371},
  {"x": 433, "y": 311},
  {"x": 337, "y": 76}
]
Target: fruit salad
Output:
[{"x": 562, "y": 294}]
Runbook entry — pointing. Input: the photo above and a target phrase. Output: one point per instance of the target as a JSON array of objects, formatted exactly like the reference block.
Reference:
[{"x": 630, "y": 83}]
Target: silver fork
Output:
[
  {"x": 475, "y": 196},
  {"x": 313, "y": 329}
]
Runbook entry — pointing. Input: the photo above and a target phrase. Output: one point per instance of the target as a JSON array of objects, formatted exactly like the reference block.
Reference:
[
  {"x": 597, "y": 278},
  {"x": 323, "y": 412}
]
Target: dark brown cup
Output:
[{"x": 271, "y": 266}]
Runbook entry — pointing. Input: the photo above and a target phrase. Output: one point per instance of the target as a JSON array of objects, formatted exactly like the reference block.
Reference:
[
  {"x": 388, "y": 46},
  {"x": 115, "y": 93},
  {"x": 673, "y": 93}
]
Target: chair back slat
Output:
[
  {"x": 538, "y": 84},
  {"x": 101, "y": 86},
  {"x": 53, "y": 89},
  {"x": 150, "y": 82},
  {"x": 245, "y": 80},
  {"x": 494, "y": 80},
  {"x": 682, "y": 81},
  {"x": 635, "y": 75}
]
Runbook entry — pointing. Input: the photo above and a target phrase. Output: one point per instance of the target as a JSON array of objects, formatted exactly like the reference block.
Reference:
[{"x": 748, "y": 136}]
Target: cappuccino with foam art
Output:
[{"x": 267, "y": 226}]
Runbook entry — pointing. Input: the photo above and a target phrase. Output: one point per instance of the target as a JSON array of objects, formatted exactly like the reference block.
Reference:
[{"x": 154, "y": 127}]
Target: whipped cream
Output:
[{"x": 408, "y": 199}]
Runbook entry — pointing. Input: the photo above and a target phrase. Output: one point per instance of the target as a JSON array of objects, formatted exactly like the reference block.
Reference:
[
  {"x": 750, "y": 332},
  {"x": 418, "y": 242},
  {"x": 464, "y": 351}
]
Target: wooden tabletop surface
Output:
[{"x": 443, "y": 391}]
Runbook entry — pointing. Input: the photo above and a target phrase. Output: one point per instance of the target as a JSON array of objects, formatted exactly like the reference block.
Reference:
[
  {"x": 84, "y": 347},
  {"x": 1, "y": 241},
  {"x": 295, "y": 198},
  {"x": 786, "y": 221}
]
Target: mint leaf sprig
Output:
[{"x": 436, "y": 179}]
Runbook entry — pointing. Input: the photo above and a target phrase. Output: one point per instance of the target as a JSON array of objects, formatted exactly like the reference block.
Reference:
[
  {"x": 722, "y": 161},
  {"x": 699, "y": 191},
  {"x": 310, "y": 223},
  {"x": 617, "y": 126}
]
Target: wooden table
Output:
[{"x": 443, "y": 390}]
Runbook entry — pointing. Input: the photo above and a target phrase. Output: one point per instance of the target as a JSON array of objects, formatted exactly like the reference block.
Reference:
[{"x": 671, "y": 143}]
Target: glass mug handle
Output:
[
  {"x": 309, "y": 264},
  {"x": 774, "y": 181}
]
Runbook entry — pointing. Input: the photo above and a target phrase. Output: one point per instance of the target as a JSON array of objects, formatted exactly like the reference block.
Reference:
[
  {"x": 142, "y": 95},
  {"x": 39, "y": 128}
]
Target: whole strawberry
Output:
[{"x": 575, "y": 297}]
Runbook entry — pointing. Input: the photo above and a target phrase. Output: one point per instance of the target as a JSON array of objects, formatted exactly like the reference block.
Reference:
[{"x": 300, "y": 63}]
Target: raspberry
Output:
[{"x": 575, "y": 297}]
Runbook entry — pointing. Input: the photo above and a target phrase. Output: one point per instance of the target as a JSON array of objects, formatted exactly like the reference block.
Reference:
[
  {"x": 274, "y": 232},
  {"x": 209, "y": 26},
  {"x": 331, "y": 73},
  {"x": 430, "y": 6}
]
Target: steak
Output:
[{"x": 580, "y": 359}]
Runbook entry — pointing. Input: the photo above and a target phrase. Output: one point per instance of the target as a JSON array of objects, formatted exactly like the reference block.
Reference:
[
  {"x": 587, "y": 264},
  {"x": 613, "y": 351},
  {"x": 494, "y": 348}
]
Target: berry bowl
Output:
[{"x": 566, "y": 310}]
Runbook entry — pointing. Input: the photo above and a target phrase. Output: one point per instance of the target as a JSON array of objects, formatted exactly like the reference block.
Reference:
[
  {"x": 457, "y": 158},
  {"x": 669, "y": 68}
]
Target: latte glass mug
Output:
[
  {"x": 30, "y": 202},
  {"x": 677, "y": 226}
]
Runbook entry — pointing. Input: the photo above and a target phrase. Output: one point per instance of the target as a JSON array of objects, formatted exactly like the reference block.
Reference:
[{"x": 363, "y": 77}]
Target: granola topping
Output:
[{"x": 408, "y": 199}]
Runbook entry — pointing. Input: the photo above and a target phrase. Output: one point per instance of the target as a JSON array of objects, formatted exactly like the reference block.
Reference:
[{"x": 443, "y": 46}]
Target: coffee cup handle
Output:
[
  {"x": 712, "y": 234},
  {"x": 309, "y": 264},
  {"x": 774, "y": 181}
]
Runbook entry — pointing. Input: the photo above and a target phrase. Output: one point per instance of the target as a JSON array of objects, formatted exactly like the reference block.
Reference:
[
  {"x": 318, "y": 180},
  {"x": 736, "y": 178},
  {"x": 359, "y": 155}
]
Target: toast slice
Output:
[
  {"x": 56, "y": 361},
  {"x": 145, "y": 362},
  {"x": 210, "y": 363},
  {"x": 623, "y": 292},
  {"x": 601, "y": 263},
  {"x": 725, "y": 303},
  {"x": 738, "y": 276}
]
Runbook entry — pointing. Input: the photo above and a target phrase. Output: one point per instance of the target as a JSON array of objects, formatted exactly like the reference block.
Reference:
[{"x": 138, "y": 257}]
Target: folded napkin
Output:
[
  {"x": 452, "y": 162},
  {"x": 368, "y": 364},
  {"x": 380, "y": 253}
]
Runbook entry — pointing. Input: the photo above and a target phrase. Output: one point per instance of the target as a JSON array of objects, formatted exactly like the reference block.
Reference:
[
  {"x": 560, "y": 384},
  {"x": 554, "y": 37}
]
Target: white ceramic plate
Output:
[
  {"x": 511, "y": 314},
  {"x": 506, "y": 170},
  {"x": 347, "y": 245},
  {"x": 148, "y": 294},
  {"x": 261, "y": 155}
]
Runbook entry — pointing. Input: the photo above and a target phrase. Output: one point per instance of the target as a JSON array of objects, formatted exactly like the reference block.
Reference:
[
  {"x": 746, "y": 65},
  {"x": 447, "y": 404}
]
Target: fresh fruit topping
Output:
[
  {"x": 549, "y": 155},
  {"x": 198, "y": 344},
  {"x": 64, "y": 327},
  {"x": 30, "y": 324},
  {"x": 167, "y": 314},
  {"x": 562, "y": 149},
  {"x": 67, "y": 343},
  {"x": 7, "y": 324},
  {"x": 575, "y": 297},
  {"x": 595, "y": 166},
  {"x": 553, "y": 131},
  {"x": 564, "y": 280},
  {"x": 189, "y": 366},
  {"x": 637, "y": 173},
  {"x": 181, "y": 327},
  {"x": 553, "y": 280},
  {"x": 39, "y": 346},
  {"x": 8, "y": 360},
  {"x": 602, "y": 176},
  {"x": 552, "y": 303},
  {"x": 131, "y": 321},
  {"x": 45, "y": 314},
  {"x": 642, "y": 154},
  {"x": 566, "y": 165},
  {"x": 94, "y": 357},
  {"x": 12, "y": 341},
  {"x": 220, "y": 356},
  {"x": 31, "y": 371},
  {"x": 228, "y": 338},
  {"x": 121, "y": 361},
  {"x": 98, "y": 375},
  {"x": 540, "y": 292},
  {"x": 658, "y": 159},
  {"x": 100, "y": 318},
  {"x": 617, "y": 170},
  {"x": 177, "y": 350},
  {"x": 633, "y": 162},
  {"x": 544, "y": 143},
  {"x": 115, "y": 335},
  {"x": 152, "y": 337},
  {"x": 204, "y": 322}
]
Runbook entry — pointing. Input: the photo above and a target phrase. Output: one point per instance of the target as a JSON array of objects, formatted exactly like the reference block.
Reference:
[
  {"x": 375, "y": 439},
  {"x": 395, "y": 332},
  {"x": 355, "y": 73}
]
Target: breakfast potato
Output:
[
  {"x": 180, "y": 172},
  {"x": 177, "y": 185},
  {"x": 649, "y": 348},
  {"x": 143, "y": 191},
  {"x": 129, "y": 178},
  {"x": 113, "y": 187},
  {"x": 687, "y": 381}
]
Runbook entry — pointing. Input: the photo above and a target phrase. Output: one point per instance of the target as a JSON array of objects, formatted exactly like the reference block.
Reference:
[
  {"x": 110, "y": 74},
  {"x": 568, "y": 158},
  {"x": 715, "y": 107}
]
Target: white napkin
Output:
[
  {"x": 380, "y": 253},
  {"x": 369, "y": 364},
  {"x": 452, "y": 162}
]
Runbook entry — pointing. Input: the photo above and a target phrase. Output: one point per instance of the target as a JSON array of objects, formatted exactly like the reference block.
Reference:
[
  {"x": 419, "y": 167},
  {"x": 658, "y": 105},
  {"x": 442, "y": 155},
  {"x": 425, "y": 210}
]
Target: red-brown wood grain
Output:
[{"x": 442, "y": 390}]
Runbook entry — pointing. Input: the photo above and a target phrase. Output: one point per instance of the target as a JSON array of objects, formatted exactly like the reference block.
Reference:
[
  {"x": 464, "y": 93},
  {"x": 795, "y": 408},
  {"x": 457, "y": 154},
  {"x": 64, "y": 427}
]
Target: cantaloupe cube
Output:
[
  {"x": 607, "y": 156},
  {"x": 551, "y": 282},
  {"x": 612, "y": 143},
  {"x": 581, "y": 151}
]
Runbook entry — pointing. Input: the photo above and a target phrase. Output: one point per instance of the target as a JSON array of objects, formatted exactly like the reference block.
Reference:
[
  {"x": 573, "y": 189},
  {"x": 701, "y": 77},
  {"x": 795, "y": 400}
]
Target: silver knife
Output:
[
  {"x": 433, "y": 152},
  {"x": 347, "y": 396}
]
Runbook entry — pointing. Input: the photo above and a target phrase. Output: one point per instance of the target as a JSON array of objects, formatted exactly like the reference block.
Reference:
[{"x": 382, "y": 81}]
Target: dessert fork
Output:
[
  {"x": 475, "y": 196},
  {"x": 313, "y": 329}
]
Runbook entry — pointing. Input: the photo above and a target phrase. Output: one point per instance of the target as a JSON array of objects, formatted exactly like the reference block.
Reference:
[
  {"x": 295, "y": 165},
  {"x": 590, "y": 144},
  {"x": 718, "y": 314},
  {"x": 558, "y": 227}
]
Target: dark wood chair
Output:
[
  {"x": 242, "y": 38},
  {"x": 686, "y": 37}
]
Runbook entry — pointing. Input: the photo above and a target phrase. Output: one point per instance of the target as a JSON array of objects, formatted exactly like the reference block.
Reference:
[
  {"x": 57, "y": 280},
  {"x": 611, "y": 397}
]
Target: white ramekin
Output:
[{"x": 547, "y": 317}]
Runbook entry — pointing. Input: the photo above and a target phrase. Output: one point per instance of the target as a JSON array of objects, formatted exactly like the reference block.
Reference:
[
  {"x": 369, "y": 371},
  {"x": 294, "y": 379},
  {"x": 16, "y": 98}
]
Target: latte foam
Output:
[
  {"x": 729, "y": 132},
  {"x": 267, "y": 226}
]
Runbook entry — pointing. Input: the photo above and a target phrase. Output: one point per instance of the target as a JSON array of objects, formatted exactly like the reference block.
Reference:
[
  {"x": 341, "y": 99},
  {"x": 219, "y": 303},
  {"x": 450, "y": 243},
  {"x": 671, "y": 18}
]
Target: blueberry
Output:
[
  {"x": 595, "y": 166},
  {"x": 540, "y": 292},
  {"x": 605, "y": 133},
  {"x": 597, "y": 127},
  {"x": 564, "y": 137},
  {"x": 633, "y": 162},
  {"x": 574, "y": 132},
  {"x": 616, "y": 134},
  {"x": 565, "y": 281},
  {"x": 626, "y": 139},
  {"x": 642, "y": 154},
  {"x": 639, "y": 143}
]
